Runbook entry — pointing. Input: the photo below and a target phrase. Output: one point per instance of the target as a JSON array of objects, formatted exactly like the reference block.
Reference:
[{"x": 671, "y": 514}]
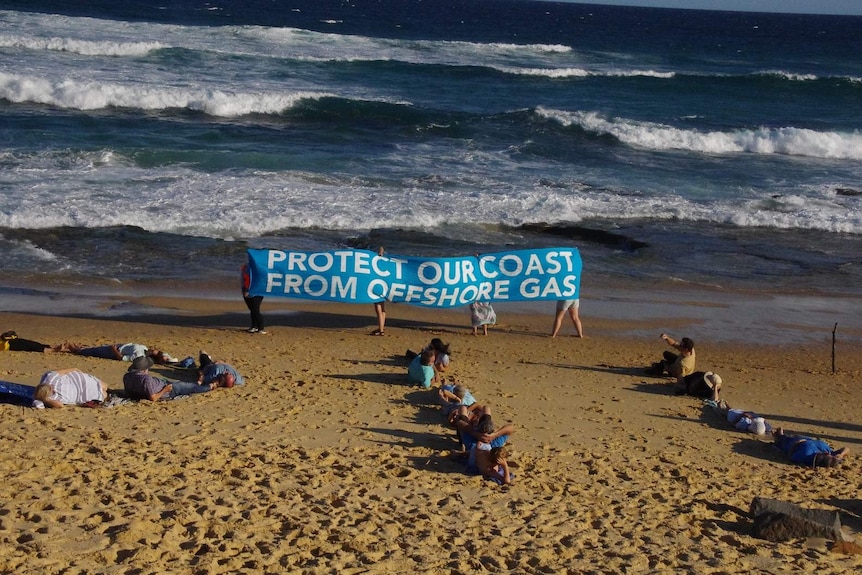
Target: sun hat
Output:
[
  {"x": 757, "y": 426},
  {"x": 713, "y": 379},
  {"x": 141, "y": 363}
]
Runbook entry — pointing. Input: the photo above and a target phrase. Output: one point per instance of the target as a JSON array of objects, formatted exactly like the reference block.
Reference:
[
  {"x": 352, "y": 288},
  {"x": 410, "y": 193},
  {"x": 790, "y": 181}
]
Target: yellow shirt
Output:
[{"x": 683, "y": 366}]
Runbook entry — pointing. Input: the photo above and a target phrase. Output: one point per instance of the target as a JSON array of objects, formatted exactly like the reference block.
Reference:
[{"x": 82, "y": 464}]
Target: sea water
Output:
[{"x": 151, "y": 144}]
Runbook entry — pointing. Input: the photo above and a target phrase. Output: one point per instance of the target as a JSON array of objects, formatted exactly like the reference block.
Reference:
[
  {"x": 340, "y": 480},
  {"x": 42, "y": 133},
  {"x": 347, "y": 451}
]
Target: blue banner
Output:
[{"x": 361, "y": 276}]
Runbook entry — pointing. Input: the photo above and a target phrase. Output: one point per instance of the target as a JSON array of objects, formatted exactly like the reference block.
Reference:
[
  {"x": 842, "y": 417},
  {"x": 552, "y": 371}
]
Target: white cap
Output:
[{"x": 757, "y": 426}]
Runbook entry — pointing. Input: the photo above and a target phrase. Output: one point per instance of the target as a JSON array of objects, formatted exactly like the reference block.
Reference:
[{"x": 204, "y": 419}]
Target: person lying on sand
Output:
[
  {"x": 491, "y": 463},
  {"x": 807, "y": 451},
  {"x": 68, "y": 387},
  {"x": 220, "y": 373},
  {"x": 704, "y": 384},
  {"x": 9, "y": 341},
  {"x": 454, "y": 395},
  {"x": 139, "y": 384},
  {"x": 119, "y": 352},
  {"x": 741, "y": 419},
  {"x": 483, "y": 430}
]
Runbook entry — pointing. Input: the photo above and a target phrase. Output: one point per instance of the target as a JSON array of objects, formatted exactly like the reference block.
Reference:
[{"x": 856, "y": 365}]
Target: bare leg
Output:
[
  {"x": 558, "y": 322},
  {"x": 380, "y": 311},
  {"x": 576, "y": 320}
]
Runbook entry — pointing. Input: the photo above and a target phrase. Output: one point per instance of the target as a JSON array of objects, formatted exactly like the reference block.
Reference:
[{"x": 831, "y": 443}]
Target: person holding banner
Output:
[
  {"x": 252, "y": 302},
  {"x": 362, "y": 276},
  {"x": 482, "y": 315},
  {"x": 571, "y": 306},
  {"x": 380, "y": 307}
]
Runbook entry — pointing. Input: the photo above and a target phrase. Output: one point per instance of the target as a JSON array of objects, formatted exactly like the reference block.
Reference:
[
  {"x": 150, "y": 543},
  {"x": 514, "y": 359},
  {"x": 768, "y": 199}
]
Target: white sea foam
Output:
[
  {"x": 79, "y": 191},
  {"x": 108, "y": 38},
  {"x": 84, "y": 47},
  {"x": 796, "y": 77},
  {"x": 72, "y": 94},
  {"x": 786, "y": 141},
  {"x": 799, "y": 77},
  {"x": 581, "y": 72},
  {"x": 93, "y": 37},
  {"x": 26, "y": 249}
]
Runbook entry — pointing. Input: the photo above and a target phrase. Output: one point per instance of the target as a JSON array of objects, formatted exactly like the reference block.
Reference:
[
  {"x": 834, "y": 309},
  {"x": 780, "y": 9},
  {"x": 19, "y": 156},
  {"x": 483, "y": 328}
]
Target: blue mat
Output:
[{"x": 16, "y": 393}]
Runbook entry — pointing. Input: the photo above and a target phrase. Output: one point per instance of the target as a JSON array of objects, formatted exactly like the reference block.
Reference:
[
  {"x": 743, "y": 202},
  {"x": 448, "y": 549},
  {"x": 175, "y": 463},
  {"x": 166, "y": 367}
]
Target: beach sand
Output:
[{"x": 325, "y": 462}]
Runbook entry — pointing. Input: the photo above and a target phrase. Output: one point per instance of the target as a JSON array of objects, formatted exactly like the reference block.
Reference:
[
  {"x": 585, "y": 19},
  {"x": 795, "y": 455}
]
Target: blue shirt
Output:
[
  {"x": 419, "y": 374},
  {"x": 214, "y": 370}
]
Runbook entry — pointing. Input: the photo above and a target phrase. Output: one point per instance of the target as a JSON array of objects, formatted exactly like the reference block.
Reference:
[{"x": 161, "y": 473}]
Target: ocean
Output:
[{"x": 146, "y": 146}]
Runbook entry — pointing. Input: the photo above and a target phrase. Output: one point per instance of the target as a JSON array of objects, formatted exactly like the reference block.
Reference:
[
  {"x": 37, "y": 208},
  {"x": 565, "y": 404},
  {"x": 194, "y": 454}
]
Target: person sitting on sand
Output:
[
  {"x": 703, "y": 384},
  {"x": 485, "y": 455},
  {"x": 491, "y": 463},
  {"x": 220, "y": 373},
  {"x": 139, "y": 384},
  {"x": 677, "y": 365},
  {"x": 741, "y": 419},
  {"x": 421, "y": 369},
  {"x": 808, "y": 451},
  {"x": 68, "y": 387}
]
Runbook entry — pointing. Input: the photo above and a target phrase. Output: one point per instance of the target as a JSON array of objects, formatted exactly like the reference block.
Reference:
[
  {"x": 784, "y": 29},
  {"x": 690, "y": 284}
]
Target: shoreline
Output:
[{"x": 628, "y": 309}]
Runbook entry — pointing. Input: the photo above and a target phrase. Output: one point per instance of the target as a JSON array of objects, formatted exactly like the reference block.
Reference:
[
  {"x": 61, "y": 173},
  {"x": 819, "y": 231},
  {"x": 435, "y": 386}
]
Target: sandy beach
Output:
[{"x": 326, "y": 462}]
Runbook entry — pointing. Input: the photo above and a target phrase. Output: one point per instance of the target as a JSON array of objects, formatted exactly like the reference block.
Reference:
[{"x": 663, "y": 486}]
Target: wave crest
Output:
[
  {"x": 582, "y": 72},
  {"x": 91, "y": 96},
  {"x": 83, "y": 47},
  {"x": 788, "y": 141}
]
